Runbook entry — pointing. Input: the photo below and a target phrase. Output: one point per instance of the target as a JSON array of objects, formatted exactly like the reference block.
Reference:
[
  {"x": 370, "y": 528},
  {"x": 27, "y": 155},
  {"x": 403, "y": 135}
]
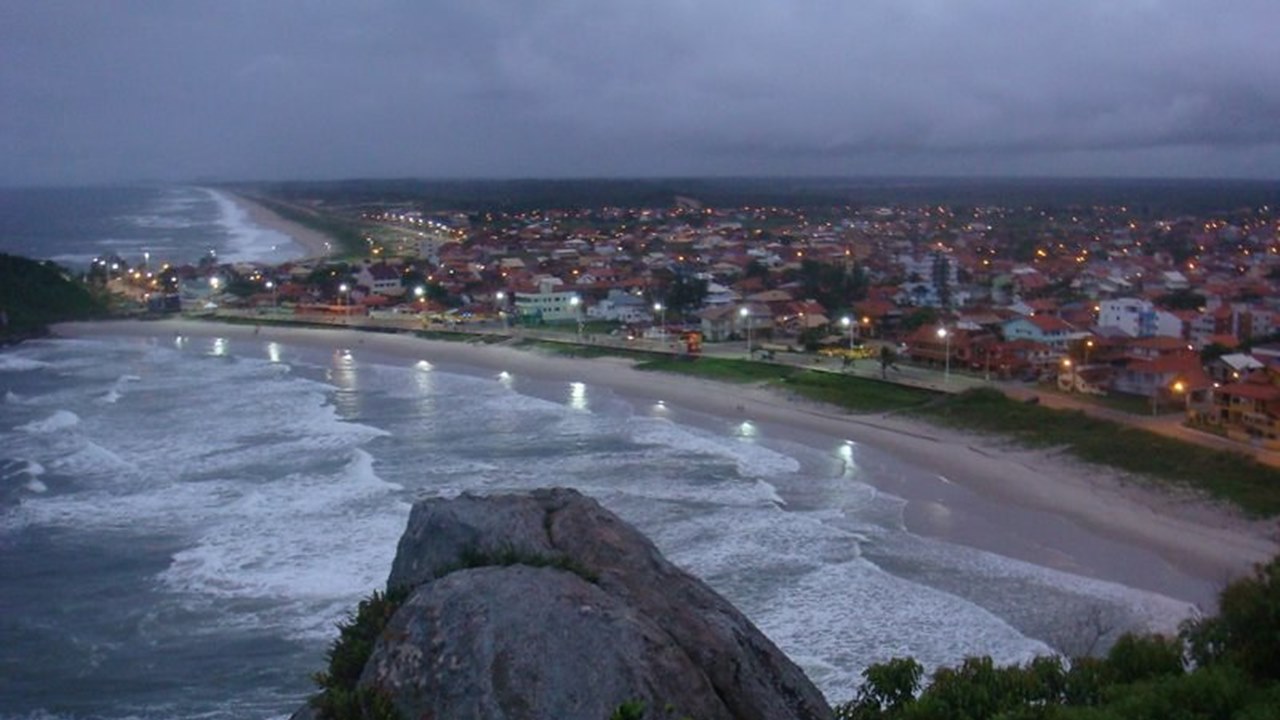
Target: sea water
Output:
[
  {"x": 156, "y": 224},
  {"x": 185, "y": 520}
]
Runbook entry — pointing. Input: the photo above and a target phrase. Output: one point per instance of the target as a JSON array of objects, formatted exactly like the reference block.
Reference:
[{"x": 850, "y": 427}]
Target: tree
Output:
[
  {"x": 685, "y": 293},
  {"x": 888, "y": 358},
  {"x": 1246, "y": 632},
  {"x": 1182, "y": 300}
]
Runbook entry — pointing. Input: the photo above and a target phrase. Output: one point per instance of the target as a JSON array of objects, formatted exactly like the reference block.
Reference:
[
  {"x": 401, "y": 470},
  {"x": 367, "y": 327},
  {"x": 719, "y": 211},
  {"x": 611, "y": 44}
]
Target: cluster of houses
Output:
[{"x": 1097, "y": 300}]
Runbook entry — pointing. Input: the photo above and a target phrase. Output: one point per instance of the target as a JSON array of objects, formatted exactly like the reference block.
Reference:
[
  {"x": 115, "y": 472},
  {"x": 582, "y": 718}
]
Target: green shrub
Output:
[{"x": 340, "y": 697}]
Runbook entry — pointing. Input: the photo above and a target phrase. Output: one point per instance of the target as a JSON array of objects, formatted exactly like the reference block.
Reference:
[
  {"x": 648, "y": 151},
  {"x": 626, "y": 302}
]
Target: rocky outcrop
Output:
[{"x": 546, "y": 605}]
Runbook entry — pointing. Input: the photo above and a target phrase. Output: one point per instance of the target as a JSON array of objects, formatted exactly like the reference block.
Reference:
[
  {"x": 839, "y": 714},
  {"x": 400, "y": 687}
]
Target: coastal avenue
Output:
[{"x": 1169, "y": 424}]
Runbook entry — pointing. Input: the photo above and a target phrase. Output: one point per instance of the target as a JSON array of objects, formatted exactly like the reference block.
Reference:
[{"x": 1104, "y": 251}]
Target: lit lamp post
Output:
[
  {"x": 746, "y": 315},
  {"x": 1067, "y": 365},
  {"x": 501, "y": 298},
  {"x": 662, "y": 317},
  {"x": 847, "y": 322},
  {"x": 343, "y": 298},
  {"x": 866, "y": 326},
  {"x": 419, "y": 293},
  {"x": 946, "y": 340},
  {"x": 576, "y": 303},
  {"x": 271, "y": 285}
]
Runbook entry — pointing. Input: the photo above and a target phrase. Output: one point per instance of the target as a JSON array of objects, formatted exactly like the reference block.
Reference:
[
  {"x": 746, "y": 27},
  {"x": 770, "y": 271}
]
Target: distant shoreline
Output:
[
  {"x": 314, "y": 244},
  {"x": 1033, "y": 505}
]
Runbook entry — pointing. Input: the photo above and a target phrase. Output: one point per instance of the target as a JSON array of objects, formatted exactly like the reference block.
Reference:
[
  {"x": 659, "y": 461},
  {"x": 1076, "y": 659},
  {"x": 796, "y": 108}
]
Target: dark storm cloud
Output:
[{"x": 272, "y": 89}]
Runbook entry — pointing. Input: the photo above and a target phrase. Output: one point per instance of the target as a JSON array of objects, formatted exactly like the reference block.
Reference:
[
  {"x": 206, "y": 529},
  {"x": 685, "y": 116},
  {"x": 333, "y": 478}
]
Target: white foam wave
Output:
[
  {"x": 752, "y": 459},
  {"x": 17, "y": 363},
  {"x": 59, "y": 420},
  {"x": 160, "y": 222},
  {"x": 248, "y": 242},
  {"x": 116, "y": 392},
  {"x": 36, "y": 486},
  {"x": 294, "y": 541},
  {"x": 91, "y": 460}
]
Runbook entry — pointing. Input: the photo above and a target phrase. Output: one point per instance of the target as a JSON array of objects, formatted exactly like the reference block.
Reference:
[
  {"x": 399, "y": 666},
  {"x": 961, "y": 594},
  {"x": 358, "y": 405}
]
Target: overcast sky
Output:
[{"x": 111, "y": 90}]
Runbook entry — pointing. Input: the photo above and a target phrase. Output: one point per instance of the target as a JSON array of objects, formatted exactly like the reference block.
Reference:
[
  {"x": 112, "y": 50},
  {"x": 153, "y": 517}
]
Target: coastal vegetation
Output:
[
  {"x": 1223, "y": 667},
  {"x": 34, "y": 294},
  {"x": 1224, "y": 475},
  {"x": 340, "y": 698}
]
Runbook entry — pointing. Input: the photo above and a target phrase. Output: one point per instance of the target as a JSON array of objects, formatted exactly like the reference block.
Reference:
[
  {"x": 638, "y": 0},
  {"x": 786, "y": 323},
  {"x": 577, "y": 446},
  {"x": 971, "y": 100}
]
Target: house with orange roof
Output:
[
  {"x": 1247, "y": 411},
  {"x": 1046, "y": 329}
]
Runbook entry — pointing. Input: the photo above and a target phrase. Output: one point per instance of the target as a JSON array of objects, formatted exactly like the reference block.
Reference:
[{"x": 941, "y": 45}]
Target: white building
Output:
[
  {"x": 549, "y": 304},
  {"x": 1138, "y": 318}
]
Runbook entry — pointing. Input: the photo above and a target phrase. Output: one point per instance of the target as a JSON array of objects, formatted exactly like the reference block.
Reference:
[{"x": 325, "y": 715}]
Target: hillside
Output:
[{"x": 34, "y": 294}]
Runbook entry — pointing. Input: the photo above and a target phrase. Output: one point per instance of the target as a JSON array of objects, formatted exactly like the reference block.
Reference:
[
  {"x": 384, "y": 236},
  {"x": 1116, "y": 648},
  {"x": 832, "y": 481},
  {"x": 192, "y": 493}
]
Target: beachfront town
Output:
[{"x": 1177, "y": 314}]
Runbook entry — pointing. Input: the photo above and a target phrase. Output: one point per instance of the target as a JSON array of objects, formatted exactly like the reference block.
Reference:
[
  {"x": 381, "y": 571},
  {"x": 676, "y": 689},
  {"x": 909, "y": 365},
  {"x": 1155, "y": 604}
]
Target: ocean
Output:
[
  {"x": 73, "y": 226},
  {"x": 184, "y": 520}
]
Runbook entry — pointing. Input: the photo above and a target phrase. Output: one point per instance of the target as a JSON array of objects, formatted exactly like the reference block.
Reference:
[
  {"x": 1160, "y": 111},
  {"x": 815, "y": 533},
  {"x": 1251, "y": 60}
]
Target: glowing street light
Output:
[
  {"x": 500, "y": 299},
  {"x": 746, "y": 315},
  {"x": 946, "y": 338},
  {"x": 272, "y": 287},
  {"x": 847, "y": 322},
  {"x": 662, "y": 314},
  {"x": 576, "y": 303},
  {"x": 343, "y": 298}
]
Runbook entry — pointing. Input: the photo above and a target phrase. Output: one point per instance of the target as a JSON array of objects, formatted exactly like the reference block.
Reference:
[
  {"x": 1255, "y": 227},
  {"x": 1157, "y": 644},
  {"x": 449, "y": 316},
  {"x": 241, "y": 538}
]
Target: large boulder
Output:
[{"x": 546, "y": 605}]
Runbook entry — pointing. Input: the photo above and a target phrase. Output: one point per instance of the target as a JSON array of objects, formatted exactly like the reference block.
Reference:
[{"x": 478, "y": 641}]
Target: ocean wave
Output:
[
  {"x": 59, "y": 420},
  {"x": 290, "y": 541},
  {"x": 17, "y": 363},
  {"x": 752, "y": 459},
  {"x": 247, "y": 241}
]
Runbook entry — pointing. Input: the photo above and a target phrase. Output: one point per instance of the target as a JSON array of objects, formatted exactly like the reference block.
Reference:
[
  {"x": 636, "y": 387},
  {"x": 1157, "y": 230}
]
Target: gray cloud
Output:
[{"x": 95, "y": 91}]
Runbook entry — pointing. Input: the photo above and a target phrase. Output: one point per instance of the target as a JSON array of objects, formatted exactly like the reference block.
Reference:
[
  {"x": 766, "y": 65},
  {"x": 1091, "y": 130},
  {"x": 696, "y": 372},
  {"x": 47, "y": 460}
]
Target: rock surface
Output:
[{"x": 546, "y": 605}]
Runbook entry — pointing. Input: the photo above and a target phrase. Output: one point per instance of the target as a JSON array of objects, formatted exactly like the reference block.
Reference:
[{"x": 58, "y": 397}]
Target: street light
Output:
[
  {"x": 576, "y": 303},
  {"x": 848, "y": 323},
  {"x": 946, "y": 338},
  {"x": 501, "y": 298},
  {"x": 1066, "y": 363},
  {"x": 343, "y": 299},
  {"x": 272, "y": 287},
  {"x": 746, "y": 315},
  {"x": 662, "y": 314}
]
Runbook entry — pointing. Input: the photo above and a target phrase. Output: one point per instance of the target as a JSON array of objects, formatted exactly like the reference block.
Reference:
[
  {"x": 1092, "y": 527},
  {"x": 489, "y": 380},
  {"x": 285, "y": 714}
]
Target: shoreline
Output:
[
  {"x": 314, "y": 244},
  {"x": 1031, "y": 505}
]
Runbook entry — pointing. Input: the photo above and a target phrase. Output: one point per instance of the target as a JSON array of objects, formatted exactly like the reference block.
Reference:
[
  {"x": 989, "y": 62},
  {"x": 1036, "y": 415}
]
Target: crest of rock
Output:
[{"x": 546, "y": 605}]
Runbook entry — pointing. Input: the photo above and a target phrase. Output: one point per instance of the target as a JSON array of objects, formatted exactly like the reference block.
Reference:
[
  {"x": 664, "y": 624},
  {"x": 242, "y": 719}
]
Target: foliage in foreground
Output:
[
  {"x": 340, "y": 697},
  {"x": 1220, "y": 668},
  {"x": 1225, "y": 475},
  {"x": 34, "y": 294}
]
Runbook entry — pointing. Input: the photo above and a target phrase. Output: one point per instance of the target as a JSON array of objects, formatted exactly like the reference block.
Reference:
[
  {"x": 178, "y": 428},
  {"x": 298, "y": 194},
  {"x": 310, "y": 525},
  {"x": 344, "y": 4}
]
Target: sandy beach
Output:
[
  {"x": 1036, "y": 506},
  {"x": 315, "y": 244}
]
